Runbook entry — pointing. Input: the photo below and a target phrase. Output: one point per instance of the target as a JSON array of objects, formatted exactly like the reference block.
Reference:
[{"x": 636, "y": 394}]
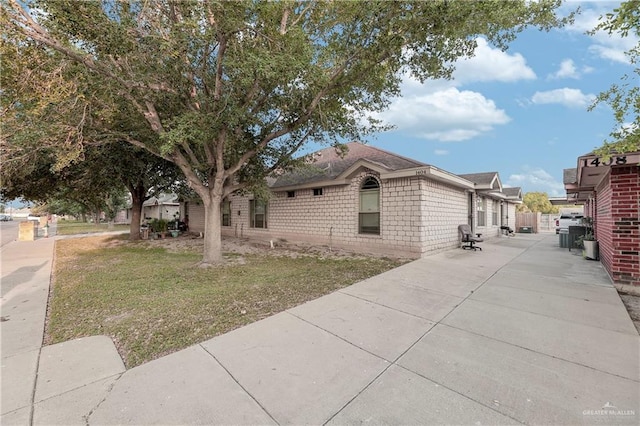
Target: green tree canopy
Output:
[
  {"x": 623, "y": 97},
  {"x": 537, "y": 202},
  {"x": 234, "y": 89}
]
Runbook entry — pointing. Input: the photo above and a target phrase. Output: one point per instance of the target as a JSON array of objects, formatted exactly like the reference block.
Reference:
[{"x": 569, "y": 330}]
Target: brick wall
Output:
[
  {"x": 417, "y": 216},
  {"x": 332, "y": 218},
  {"x": 618, "y": 224},
  {"x": 443, "y": 209},
  {"x": 401, "y": 214}
]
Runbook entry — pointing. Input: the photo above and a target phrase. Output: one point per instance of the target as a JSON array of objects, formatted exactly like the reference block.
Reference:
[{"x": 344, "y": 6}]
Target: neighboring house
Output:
[
  {"x": 609, "y": 189},
  {"x": 369, "y": 200},
  {"x": 495, "y": 206},
  {"x": 165, "y": 206}
]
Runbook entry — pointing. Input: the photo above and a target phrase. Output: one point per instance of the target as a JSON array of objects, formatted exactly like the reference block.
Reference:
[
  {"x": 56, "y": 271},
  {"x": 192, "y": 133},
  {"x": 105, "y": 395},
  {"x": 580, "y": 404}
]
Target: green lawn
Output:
[
  {"x": 69, "y": 227},
  {"x": 153, "y": 302}
]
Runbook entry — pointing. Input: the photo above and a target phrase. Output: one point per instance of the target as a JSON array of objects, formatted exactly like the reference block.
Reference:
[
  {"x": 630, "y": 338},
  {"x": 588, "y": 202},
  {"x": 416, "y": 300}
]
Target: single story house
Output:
[
  {"x": 368, "y": 200},
  {"x": 164, "y": 206},
  {"x": 609, "y": 190},
  {"x": 495, "y": 205}
]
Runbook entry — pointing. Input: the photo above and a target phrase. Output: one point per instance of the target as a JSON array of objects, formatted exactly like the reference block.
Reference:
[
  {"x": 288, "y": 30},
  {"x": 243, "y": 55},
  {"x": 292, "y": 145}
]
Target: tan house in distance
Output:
[
  {"x": 370, "y": 200},
  {"x": 495, "y": 205},
  {"x": 164, "y": 206}
]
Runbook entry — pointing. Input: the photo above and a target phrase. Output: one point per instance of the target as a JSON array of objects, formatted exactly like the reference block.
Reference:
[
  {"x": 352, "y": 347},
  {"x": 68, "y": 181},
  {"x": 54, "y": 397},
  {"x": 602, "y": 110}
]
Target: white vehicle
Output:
[
  {"x": 568, "y": 219},
  {"x": 31, "y": 217}
]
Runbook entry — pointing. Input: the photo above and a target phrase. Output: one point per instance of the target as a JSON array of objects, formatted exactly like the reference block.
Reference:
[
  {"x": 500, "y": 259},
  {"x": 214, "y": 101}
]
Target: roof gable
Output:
[
  {"x": 485, "y": 180},
  {"x": 328, "y": 165},
  {"x": 513, "y": 192},
  {"x": 162, "y": 199}
]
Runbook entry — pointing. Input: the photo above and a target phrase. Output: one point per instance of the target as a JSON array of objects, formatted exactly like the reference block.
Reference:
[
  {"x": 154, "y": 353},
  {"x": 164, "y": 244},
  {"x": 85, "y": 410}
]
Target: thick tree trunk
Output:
[
  {"x": 212, "y": 239},
  {"x": 137, "y": 199}
]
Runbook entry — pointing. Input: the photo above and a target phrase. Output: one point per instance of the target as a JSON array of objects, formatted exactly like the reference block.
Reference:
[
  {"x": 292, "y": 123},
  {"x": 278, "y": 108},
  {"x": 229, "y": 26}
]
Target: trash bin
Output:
[
  {"x": 575, "y": 232},
  {"x": 564, "y": 238}
]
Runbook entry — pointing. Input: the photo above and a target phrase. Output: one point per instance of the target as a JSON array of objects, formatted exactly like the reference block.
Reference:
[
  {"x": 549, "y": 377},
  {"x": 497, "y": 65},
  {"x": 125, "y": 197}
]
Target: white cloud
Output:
[
  {"x": 445, "y": 115},
  {"x": 491, "y": 64},
  {"x": 572, "y": 98},
  {"x": 537, "y": 179},
  {"x": 439, "y": 110},
  {"x": 611, "y": 47},
  {"x": 609, "y": 52},
  {"x": 567, "y": 70},
  {"x": 441, "y": 152}
]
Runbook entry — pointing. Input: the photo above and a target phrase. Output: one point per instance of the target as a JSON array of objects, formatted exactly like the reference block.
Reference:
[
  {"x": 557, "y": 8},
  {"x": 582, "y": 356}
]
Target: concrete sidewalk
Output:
[{"x": 522, "y": 332}]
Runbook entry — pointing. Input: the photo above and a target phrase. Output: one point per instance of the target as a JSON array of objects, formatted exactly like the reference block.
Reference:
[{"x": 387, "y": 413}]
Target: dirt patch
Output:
[
  {"x": 632, "y": 303},
  {"x": 235, "y": 248}
]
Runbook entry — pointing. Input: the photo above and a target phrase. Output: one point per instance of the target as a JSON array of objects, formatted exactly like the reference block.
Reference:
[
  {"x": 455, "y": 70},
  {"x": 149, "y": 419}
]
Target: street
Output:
[{"x": 8, "y": 232}]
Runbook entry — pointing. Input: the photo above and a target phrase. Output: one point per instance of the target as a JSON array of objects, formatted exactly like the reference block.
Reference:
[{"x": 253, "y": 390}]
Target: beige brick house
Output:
[
  {"x": 369, "y": 200},
  {"x": 495, "y": 206}
]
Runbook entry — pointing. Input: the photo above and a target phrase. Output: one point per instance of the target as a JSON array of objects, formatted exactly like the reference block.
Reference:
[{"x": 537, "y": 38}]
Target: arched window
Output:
[{"x": 369, "y": 213}]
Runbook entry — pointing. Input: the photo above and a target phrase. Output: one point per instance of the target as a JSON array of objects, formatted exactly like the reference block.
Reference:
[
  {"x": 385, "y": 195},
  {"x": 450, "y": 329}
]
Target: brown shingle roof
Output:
[
  {"x": 512, "y": 191},
  {"x": 480, "y": 178},
  {"x": 328, "y": 164}
]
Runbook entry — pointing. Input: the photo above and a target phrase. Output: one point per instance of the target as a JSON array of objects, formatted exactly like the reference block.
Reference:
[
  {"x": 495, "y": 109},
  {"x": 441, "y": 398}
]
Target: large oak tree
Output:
[{"x": 235, "y": 89}]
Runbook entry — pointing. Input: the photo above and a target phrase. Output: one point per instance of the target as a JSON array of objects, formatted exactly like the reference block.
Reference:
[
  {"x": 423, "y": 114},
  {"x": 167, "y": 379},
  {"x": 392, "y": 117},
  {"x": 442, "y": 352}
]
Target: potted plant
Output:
[
  {"x": 160, "y": 226},
  {"x": 163, "y": 224},
  {"x": 589, "y": 243}
]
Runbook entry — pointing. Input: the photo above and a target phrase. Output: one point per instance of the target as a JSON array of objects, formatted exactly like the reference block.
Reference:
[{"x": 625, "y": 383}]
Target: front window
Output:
[
  {"x": 494, "y": 213},
  {"x": 226, "y": 213},
  {"x": 257, "y": 214},
  {"x": 482, "y": 214},
  {"x": 369, "y": 214}
]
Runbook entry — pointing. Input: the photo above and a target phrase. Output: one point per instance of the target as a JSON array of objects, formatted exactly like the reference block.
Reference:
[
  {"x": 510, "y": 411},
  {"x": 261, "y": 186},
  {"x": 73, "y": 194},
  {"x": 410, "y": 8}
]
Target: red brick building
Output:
[{"x": 610, "y": 192}]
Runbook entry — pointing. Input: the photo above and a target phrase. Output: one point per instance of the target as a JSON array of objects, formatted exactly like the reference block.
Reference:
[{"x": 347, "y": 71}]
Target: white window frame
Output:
[
  {"x": 481, "y": 208},
  {"x": 252, "y": 214},
  {"x": 372, "y": 213}
]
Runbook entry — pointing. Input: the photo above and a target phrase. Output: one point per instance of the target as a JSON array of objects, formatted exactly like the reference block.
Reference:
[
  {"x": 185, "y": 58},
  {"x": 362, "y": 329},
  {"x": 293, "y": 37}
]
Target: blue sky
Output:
[{"x": 522, "y": 113}]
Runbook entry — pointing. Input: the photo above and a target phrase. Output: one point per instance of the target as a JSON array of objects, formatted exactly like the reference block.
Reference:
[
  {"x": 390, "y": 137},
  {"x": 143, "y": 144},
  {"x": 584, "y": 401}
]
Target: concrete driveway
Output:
[{"x": 522, "y": 332}]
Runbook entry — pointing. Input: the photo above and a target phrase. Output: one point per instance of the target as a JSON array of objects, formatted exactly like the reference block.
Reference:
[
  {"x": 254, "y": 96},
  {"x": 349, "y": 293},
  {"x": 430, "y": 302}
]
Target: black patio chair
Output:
[{"x": 467, "y": 239}]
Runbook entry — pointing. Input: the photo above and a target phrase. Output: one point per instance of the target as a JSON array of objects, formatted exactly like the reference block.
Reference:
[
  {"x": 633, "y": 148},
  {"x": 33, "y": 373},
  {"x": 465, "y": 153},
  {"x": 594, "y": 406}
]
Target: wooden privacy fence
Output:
[{"x": 526, "y": 221}]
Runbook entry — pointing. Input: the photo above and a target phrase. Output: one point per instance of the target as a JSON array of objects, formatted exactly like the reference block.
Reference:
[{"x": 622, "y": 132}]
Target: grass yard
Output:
[
  {"x": 70, "y": 227},
  {"x": 153, "y": 301}
]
